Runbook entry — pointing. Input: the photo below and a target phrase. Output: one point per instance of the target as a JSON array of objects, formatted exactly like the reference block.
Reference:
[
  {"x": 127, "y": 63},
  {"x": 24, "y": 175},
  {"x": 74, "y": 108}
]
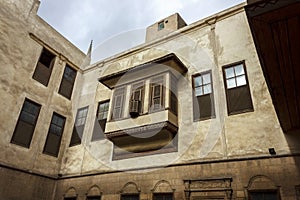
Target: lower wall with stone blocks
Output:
[{"x": 230, "y": 179}]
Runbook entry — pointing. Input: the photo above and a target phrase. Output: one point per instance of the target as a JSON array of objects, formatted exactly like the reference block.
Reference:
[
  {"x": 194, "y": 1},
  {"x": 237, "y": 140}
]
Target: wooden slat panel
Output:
[
  {"x": 267, "y": 54},
  {"x": 294, "y": 33},
  {"x": 282, "y": 45}
]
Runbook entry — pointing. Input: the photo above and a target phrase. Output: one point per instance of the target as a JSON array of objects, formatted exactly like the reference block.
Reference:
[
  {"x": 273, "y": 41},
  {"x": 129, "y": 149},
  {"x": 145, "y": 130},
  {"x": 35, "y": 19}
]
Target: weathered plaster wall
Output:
[
  {"x": 212, "y": 43},
  {"x": 19, "y": 53}
]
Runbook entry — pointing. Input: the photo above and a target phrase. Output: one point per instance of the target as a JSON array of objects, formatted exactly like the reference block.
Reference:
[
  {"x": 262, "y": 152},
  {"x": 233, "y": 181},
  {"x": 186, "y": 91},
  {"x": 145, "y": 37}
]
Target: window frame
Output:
[
  {"x": 77, "y": 137},
  {"x": 160, "y": 25},
  {"x": 122, "y": 104},
  {"x": 246, "y": 86},
  {"x": 97, "y": 120},
  {"x": 65, "y": 80},
  {"x": 13, "y": 141},
  {"x": 60, "y": 137},
  {"x": 211, "y": 95},
  {"x": 138, "y": 86},
  {"x": 162, "y": 97},
  {"x": 40, "y": 66}
]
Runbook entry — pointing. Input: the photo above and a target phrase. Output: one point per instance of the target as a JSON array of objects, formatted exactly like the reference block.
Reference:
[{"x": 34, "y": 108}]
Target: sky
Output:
[{"x": 116, "y": 25}]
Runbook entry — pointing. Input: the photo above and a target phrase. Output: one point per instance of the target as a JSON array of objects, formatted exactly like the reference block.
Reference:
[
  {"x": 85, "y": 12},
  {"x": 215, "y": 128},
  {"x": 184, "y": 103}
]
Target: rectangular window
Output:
[
  {"x": 161, "y": 25},
  {"x": 264, "y": 195},
  {"x": 203, "y": 101},
  {"x": 118, "y": 103},
  {"x": 44, "y": 67},
  {"x": 79, "y": 126},
  {"x": 157, "y": 93},
  {"x": 54, "y": 136},
  {"x": 26, "y": 123},
  {"x": 100, "y": 122},
  {"x": 67, "y": 82},
  {"x": 237, "y": 89},
  {"x": 93, "y": 198},
  {"x": 163, "y": 196},
  {"x": 173, "y": 95},
  {"x": 136, "y": 99},
  {"x": 130, "y": 197}
]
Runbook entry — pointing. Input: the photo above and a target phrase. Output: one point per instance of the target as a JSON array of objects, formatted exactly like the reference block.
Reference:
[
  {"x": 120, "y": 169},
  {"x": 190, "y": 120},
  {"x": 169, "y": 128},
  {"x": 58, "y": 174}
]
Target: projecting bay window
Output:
[
  {"x": 203, "y": 102},
  {"x": 26, "y": 123},
  {"x": 118, "y": 103},
  {"x": 237, "y": 89},
  {"x": 67, "y": 82},
  {"x": 44, "y": 67},
  {"x": 136, "y": 99},
  {"x": 54, "y": 136},
  {"x": 79, "y": 126},
  {"x": 157, "y": 94}
]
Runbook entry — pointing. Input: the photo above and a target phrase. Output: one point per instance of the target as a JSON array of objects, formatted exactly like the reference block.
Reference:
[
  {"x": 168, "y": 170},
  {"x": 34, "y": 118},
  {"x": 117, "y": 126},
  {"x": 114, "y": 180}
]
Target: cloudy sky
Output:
[{"x": 107, "y": 21}]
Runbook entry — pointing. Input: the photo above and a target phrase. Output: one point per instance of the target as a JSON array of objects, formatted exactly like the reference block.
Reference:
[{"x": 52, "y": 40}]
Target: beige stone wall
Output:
[
  {"x": 206, "y": 45},
  {"x": 268, "y": 173},
  {"x": 19, "y": 53}
]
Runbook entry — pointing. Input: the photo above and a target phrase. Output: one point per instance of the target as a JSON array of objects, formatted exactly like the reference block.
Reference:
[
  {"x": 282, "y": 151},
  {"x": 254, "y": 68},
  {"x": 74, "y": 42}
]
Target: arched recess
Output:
[
  {"x": 162, "y": 186},
  {"x": 130, "y": 188},
  {"x": 261, "y": 185},
  {"x": 70, "y": 193},
  {"x": 94, "y": 191}
]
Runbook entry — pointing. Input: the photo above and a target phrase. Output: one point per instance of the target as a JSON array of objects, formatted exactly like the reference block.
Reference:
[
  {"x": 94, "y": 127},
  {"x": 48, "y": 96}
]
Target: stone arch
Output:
[
  {"x": 163, "y": 186},
  {"x": 261, "y": 182},
  {"x": 71, "y": 192},
  {"x": 130, "y": 188},
  {"x": 94, "y": 191}
]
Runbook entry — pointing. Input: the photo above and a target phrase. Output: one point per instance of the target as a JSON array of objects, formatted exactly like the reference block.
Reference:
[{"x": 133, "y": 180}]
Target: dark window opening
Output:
[
  {"x": 203, "y": 102},
  {"x": 54, "y": 136},
  {"x": 157, "y": 92},
  {"x": 163, "y": 196},
  {"x": 237, "y": 89},
  {"x": 26, "y": 123},
  {"x": 263, "y": 195},
  {"x": 79, "y": 126},
  {"x": 93, "y": 198},
  {"x": 67, "y": 82},
  {"x": 100, "y": 122},
  {"x": 118, "y": 103},
  {"x": 44, "y": 67},
  {"x": 130, "y": 197}
]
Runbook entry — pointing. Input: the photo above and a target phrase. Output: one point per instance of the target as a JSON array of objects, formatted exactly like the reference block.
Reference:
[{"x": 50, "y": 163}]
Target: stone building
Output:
[{"x": 208, "y": 110}]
